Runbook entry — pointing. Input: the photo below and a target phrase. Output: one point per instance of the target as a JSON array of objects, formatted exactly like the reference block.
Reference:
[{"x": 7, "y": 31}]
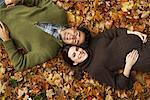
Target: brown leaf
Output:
[
  {"x": 71, "y": 18},
  {"x": 139, "y": 28},
  {"x": 98, "y": 16},
  {"x": 95, "y": 4},
  {"x": 137, "y": 88},
  {"x": 35, "y": 90},
  {"x": 80, "y": 6},
  {"x": 147, "y": 79}
]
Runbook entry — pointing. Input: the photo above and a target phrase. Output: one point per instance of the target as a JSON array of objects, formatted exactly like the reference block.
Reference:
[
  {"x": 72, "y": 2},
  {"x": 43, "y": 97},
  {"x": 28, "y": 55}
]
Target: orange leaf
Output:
[
  {"x": 137, "y": 87},
  {"x": 35, "y": 90},
  {"x": 98, "y": 16}
]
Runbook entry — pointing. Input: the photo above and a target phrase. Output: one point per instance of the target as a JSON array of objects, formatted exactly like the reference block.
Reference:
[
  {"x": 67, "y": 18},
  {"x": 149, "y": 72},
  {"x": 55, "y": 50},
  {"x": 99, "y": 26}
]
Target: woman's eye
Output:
[
  {"x": 77, "y": 48},
  {"x": 73, "y": 55}
]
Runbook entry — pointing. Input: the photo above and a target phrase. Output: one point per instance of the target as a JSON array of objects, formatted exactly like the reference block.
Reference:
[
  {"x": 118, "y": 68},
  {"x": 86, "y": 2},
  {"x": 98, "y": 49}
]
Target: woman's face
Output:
[
  {"x": 72, "y": 36},
  {"x": 77, "y": 55}
]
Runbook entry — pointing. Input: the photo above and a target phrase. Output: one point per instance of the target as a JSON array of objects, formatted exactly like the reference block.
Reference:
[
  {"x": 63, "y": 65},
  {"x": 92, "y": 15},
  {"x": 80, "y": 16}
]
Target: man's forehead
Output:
[{"x": 82, "y": 38}]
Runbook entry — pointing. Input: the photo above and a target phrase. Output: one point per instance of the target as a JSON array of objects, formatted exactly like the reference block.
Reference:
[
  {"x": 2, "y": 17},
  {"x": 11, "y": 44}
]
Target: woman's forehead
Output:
[{"x": 73, "y": 48}]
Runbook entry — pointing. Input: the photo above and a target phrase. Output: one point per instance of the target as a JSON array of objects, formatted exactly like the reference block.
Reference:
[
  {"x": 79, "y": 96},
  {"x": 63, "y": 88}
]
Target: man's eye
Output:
[
  {"x": 79, "y": 34},
  {"x": 75, "y": 41},
  {"x": 76, "y": 33}
]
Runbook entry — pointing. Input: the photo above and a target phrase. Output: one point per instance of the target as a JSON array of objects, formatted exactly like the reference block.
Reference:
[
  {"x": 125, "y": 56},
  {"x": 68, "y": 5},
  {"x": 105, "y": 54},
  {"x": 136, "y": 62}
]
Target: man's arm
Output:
[
  {"x": 23, "y": 61},
  {"x": 38, "y": 3},
  {"x": 31, "y": 3},
  {"x": 19, "y": 60}
]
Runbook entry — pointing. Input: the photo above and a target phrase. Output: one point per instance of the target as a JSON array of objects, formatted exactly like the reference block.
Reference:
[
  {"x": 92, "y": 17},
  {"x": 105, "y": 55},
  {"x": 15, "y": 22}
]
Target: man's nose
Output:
[{"x": 73, "y": 37}]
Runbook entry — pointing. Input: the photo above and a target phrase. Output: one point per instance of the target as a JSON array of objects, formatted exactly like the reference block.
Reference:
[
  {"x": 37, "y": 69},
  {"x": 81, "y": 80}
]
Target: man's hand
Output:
[
  {"x": 4, "y": 33},
  {"x": 11, "y": 2},
  {"x": 141, "y": 35},
  {"x": 131, "y": 59}
]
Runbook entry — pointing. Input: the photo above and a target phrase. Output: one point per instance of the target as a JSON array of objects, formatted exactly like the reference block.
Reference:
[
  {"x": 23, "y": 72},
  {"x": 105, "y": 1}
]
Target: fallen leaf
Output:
[{"x": 137, "y": 88}]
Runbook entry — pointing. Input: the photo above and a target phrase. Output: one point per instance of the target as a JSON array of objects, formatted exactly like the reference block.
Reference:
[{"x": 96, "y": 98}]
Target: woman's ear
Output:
[{"x": 75, "y": 63}]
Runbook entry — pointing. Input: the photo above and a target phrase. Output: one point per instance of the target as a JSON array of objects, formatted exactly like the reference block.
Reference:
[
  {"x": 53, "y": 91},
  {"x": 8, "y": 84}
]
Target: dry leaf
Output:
[{"x": 137, "y": 88}]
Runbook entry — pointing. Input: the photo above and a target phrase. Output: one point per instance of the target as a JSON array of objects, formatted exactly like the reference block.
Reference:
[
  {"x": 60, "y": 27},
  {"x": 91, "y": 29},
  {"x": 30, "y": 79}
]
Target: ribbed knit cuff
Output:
[
  {"x": 8, "y": 45},
  {"x": 125, "y": 82}
]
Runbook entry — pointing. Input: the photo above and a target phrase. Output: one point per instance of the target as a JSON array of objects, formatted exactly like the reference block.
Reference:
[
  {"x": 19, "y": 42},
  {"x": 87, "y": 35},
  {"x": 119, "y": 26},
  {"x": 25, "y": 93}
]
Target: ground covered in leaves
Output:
[{"x": 53, "y": 80}]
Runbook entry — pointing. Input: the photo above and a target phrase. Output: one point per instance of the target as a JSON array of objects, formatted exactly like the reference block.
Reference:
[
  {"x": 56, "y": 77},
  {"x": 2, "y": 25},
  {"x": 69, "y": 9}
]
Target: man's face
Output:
[
  {"x": 11, "y": 2},
  {"x": 72, "y": 36}
]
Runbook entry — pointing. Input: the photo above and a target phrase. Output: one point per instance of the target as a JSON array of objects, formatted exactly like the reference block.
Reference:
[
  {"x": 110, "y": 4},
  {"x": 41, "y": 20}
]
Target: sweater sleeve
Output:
[
  {"x": 113, "y": 33},
  {"x": 111, "y": 79},
  {"x": 23, "y": 61},
  {"x": 38, "y": 3}
]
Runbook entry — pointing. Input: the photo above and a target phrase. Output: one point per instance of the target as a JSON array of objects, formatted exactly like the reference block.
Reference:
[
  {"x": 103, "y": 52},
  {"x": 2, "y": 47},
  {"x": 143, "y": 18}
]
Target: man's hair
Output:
[
  {"x": 86, "y": 34},
  {"x": 87, "y": 37}
]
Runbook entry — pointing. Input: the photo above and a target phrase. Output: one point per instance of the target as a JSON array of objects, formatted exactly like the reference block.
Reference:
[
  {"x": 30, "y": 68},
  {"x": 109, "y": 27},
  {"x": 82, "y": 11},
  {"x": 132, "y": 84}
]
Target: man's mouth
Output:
[{"x": 68, "y": 37}]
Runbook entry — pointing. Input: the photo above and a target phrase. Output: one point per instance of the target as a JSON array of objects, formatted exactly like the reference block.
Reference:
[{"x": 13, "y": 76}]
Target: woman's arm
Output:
[
  {"x": 113, "y": 33},
  {"x": 141, "y": 35},
  {"x": 116, "y": 32},
  {"x": 121, "y": 81},
  {"x": 131, "y": 59}
]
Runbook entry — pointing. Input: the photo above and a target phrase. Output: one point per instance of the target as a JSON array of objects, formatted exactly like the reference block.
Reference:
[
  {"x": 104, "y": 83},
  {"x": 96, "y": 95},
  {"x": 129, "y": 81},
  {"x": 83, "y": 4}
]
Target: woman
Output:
[{"x": 106, "y": 55}]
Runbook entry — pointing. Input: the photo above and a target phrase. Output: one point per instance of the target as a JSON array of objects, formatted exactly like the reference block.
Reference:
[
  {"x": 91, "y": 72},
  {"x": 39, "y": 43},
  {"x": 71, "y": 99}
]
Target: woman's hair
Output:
[
  {"x": 64, "y": 52},
  {"x": 87, "y": 37},
  {"x": 79, "y": 67}
]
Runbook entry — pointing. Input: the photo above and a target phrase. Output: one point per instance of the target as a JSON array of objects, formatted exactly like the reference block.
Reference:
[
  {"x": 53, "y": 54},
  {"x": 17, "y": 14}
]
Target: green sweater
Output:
[{"x": 39, "y": 46}]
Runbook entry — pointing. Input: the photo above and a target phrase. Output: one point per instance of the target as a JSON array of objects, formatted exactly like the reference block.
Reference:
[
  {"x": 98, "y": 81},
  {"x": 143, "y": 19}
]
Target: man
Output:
[
  {"x": 20, "y": 17},
  {"x": 65, "y": 34}
]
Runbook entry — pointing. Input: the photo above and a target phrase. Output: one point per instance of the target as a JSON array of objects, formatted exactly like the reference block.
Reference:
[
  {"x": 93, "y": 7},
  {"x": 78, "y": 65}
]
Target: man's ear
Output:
[{"x": 75, "y": 63}]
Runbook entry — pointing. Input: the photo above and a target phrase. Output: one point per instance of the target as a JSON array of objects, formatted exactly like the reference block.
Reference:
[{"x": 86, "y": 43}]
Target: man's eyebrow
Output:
[
  {"x": 77, "y": 42},
  {"x": 79, "y": 33},
  {"x": 10, "y": 4}
]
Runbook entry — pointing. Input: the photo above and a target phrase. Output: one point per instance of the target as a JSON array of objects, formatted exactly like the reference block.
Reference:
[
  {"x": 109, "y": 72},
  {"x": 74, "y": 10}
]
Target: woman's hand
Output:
[
  {"x": 131, "y": 59},
  {"x": 141, "y": 35},
  {"x": 4, "y": 33}
]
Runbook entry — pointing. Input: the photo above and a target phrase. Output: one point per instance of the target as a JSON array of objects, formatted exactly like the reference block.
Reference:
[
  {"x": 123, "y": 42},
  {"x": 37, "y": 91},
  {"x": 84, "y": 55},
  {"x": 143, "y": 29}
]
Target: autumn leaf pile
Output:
[{"x": 53, "y": 80}]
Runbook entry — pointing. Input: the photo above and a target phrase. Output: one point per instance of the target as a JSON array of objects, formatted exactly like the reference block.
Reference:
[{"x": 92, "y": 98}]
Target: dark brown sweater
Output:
[{"x": 109, "y": 53}]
